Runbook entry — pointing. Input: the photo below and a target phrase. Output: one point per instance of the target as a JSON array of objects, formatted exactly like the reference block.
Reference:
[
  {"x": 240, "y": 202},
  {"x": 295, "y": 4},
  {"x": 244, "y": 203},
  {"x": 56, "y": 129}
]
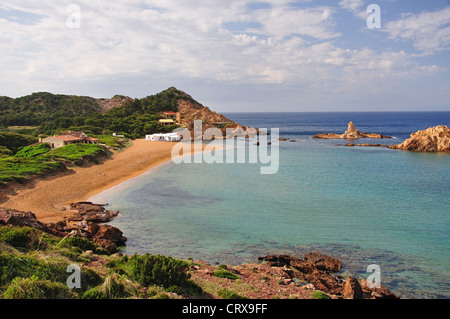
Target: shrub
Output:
[
  {"x": 320, "y": 295},
  {"x": 22, "y": 238},
  {"x": 32, "y": 288},
  {"x": 82, "y": 243},
  {"x": 17, "y": 265},
  {"x": 228, "y": 294},
  {"x": 74, "y": 152},
  {"x": 33, "y": 150},
  {"x": 157, "y": 270},
  {"x": 114, "y": 286},
  {"x": 223, "y": 273}
]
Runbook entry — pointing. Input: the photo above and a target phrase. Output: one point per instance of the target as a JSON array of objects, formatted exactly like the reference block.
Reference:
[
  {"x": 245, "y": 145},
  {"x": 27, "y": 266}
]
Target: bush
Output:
[
  {"x": 33, "y": 150},
  {"x": 82, "y": 243},
  {"x": 74, "y": 152},
  {"x": 14, "y": 265},
  {"x": 114, "y": 286},
  {"x": 320, "y": 295},
  {"x": 228, "y": 294},
  {"x": 223, "y": 273},
  {"x": 22, "y": 238},
  {"x": 157, "y": 270},
  {"x": 32, "y": 288}
]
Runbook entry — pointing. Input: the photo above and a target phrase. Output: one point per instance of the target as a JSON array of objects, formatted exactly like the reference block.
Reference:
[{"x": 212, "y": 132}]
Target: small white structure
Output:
[
  {"x": 118, "y": 135},
  {"x": 168, "y": 137}
]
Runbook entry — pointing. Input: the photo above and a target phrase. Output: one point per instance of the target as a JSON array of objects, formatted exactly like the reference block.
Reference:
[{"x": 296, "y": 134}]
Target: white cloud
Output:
[
  {"x": 170, "y": 41},
  {"x": 351, "y": 5},
  {"x": 428, "y": 31}
]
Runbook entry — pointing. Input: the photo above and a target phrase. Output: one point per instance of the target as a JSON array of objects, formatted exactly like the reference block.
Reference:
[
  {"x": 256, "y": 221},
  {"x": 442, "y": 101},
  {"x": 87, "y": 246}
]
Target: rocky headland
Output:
[
  {"x": 433, "y": 139},
  {"x": 350, "y": 134}
]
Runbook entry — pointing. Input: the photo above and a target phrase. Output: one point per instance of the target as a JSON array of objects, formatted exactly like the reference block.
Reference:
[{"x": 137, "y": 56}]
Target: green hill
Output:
[{"x": 51, "y": 113}]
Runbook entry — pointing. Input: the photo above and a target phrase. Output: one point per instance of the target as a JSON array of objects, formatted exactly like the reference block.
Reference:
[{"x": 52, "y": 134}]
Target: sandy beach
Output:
[{"x": 48, "y": 196}]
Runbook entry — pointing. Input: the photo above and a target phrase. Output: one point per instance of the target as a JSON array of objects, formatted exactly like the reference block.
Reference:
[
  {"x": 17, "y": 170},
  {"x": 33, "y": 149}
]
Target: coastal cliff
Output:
[
  {"x": 350, "y": 134},
  {"x": 433, "y": 139}
]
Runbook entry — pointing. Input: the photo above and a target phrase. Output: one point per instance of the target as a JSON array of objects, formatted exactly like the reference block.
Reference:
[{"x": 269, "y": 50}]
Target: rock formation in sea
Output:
[
  {"x": 317, "y": 269},
  {"x": 433, "y": 139},
  {"x": 350, "y": 134}
]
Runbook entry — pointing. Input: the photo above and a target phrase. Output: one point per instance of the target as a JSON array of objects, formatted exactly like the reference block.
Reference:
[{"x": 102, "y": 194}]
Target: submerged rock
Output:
[{"x": 433, "y": 139}]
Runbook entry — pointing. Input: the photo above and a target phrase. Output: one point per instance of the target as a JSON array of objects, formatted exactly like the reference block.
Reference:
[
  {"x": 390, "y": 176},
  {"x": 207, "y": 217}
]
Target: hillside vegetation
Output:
[
  {"x": 50, "y": 113},
  {"x": 35, "y": 160}
]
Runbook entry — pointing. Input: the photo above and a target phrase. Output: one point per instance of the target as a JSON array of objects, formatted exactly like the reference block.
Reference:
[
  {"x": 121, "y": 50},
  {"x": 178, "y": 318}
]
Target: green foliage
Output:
[
  {"x": 82, "y": 243},
  {"x": 43, "y": 108},
  {"x": 156, "y": 270},
  {"x": 24, "y": 238},
  {"x": 14, "y": 141},
  {"x": 320, "y": 295},
  {"x": 33, "y": 288},
  {"x": 19, "y": 168},
  {"x": 4, "y": 151},
  {"x": 33, "y": 150},
  {"x": 228, "y": 294},
  {"x": 74, "y": 152},
  {"x": 53, "y": 113},
  {"x": 114, "y": 286},
  {"x": 13, "y": 265},
  {"x": 112, "y": 141},
  {"x": 224, "y": 273}
]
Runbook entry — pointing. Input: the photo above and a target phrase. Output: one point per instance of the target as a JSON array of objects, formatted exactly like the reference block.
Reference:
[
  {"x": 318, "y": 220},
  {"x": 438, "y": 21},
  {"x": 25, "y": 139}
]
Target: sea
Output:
[{"x": 363, "y": 205}]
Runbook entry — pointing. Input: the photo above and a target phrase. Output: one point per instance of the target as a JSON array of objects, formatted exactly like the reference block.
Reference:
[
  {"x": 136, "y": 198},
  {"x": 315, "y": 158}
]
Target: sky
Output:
[{"x": 235, "y": 55}]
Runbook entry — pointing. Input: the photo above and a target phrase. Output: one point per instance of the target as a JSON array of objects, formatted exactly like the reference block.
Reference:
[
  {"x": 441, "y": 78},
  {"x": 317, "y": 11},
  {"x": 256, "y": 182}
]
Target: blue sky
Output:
[{"x": 274, "y": 55}]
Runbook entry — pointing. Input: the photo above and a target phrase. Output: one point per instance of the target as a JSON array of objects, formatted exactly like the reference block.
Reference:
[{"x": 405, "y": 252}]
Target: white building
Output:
[{"x": 168, "y": 137}]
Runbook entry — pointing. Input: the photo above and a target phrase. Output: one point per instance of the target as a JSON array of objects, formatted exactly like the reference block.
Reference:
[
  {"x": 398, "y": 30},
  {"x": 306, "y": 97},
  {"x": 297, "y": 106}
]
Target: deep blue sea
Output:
[{"x": 363, "y": 205}]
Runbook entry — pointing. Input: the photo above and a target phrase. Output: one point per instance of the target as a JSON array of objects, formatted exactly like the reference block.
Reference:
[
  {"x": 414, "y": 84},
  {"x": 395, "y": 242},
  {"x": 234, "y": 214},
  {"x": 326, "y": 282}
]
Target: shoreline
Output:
[{"x": 48, "y": 196}]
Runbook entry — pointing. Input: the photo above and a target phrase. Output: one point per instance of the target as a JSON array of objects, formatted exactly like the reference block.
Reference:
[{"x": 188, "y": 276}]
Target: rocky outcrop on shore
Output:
[
  {"x": 106, "y": 236},
  {"x": 350, "y": 134},
  {"x": 317, "y": 269},
  {"x": 89, "y": 212},
  {"x": 433, "y": 139}
]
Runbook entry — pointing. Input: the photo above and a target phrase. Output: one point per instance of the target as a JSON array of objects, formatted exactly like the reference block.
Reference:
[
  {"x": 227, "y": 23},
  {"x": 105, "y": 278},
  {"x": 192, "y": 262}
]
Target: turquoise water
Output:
[{"x": 362, "y": 205}]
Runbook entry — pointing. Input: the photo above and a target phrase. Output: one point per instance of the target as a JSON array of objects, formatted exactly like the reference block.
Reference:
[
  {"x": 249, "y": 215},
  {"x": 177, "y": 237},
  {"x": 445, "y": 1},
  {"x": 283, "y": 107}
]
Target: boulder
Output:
[
  {"x": 107, "y": 236},
  {"x": 14, "y": 217},
  {"x": 323, "y": 262},
  {"x": 90, "y": 212},
  {"x": 377, "y": 293},
  {"x": 111, "y": 233},
  {"x": 433, "y": 139},
  {"x": 352, "y": 289}
]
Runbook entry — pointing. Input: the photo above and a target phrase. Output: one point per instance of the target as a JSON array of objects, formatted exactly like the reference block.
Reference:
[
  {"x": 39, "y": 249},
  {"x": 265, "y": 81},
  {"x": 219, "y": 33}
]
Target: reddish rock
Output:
[
  {"x": 109, "y": 232},
  {"x": 433, "y": 139},
  {"x": 350, "y": 134},
  {"x": 14, "y": 217},
  {"x": 352, "y": 289},
  {"x": 323, "y": 262},
  {"x": 377, "y": 293}
]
